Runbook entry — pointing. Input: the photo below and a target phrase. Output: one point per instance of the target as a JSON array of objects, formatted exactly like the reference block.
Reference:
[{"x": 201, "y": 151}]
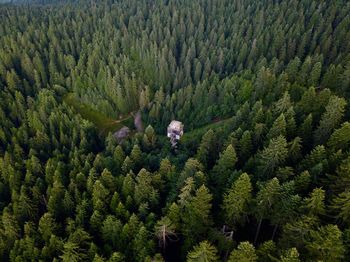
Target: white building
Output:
[{"x": 175, "y": 131}]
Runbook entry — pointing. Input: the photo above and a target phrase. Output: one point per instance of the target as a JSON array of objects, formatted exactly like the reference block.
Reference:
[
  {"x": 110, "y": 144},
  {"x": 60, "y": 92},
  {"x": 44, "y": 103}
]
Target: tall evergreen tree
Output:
[
  {"x": 203, "y": 252},
  {"x": 237, "y": 200},
  {"x": 330, "y": 119}
]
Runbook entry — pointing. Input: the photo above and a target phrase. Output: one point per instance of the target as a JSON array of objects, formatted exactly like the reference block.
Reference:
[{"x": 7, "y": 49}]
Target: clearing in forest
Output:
[{"x": 103, "y": 123}]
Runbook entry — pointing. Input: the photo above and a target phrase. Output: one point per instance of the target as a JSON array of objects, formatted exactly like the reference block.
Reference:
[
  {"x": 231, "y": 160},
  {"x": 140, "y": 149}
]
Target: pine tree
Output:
[
  {"x": 76, "y": 248},
  {"x": 144, "y": 190},
  {"x": 273, "y": 155},
  {"x": 305, "y": 131},
  {"x": 47, "y": 226},
  {"x": 227, "y": 159},
  {"x": 315, "y": 74},
  {"x": 225, "y": 166},
  {"x": 341, "y": 204},
  {"x": 315, "y": 203},
  {"x": 282, "y": 105},
  {"x": 287, "y": 206},
  {"x": 117, "y": 257},
  {"x": 330, "y": 119},
  {"x": 204, "y": 251},
  {"x": 294, "y": 150},
  {"x": 197, "y": 216},
  {"x": 13, "y": 81},
  {"x": 207, "y": 149},
  {"x": 10, "y": 230},
  {"x": 71, "y": 252},
  {"x": 165, "y": 231},
  {"x": 278, "y": 128},
  {"x": 128, "y": 165},
  {"x": 326, "y": 244},
  {"x": 267, "y": 250},
  {"x": 245, "y": 145},
  {"x": 291, "y": 255},
  {"x": 266, "y": 199},
  {"x": 149, "y": 138},
  {"x": 245, "y": 252},
  {"x": 136, "y": 157},
  {"x": 55, "y": 203},
  {"x": 128, "y": 186},
  {"x": 110, "y": 231},
  {"x": 340, "y": 138},
  {"x": 237, "y": 201},
  {"x": 142, "y": 245},
  {"x": 340, "y": 182}
]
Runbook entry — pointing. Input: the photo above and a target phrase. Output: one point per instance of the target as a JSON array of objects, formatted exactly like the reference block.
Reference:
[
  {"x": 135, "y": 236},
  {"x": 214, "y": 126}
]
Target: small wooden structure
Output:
[{"x": 175, "y": 131}]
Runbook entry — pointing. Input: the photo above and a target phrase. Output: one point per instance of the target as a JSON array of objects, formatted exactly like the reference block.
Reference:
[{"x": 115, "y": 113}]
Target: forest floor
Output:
[{"x": 103, "y": 123}]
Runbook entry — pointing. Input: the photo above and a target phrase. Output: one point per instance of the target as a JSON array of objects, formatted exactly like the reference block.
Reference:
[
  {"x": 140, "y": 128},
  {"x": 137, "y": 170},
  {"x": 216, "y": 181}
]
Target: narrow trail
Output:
[{"x": 131, "y": 114}]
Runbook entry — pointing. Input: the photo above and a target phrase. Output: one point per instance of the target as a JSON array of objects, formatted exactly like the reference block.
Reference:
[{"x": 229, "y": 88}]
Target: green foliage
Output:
[
  {"x": 237, "y": 200},
  {"x": 245, "y": 252},
  {"x": 204, "y": 252},
  {"x": 47, "y": 226},
  {"x": 225, "y": 166},
  {"x": 262, "y": 88},
  {"x": 315, "y": 203},
  {"x": 341, "y": 204},
  {"x": 165, "y": 231},
  {"x": 104, "y": 123},
  {"x": 330, "y": 119},
  {"x": 278, "y": 128},
  {"x": 207, "y": 149},
  {"x": 149, "y": 138},
  {"x": 326, "y": 243},
  {"x": 197, "y": 216},
  {"x": 273, "y": 155},
  {"x": 340, "y": 138},
  {"x": 266, "y": 251},
  {"x": 291, "y": 255}
]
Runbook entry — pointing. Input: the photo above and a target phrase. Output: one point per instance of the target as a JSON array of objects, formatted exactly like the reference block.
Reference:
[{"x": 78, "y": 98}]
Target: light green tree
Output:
[
  {"x": 341, "y": 205},
  {"x": 266, "y": 198},
  {"x": 330, "y": 119},
  {"x": 326, "y": 244},
  {"x": 291, "y": 255},
  {"x": 273, "y": 155},
  {"x": 237, "y": 200},
  {"x": 203, "y": 252},
  {"x": 245, "y": 252},
  {"x": 315, "y": 202}
]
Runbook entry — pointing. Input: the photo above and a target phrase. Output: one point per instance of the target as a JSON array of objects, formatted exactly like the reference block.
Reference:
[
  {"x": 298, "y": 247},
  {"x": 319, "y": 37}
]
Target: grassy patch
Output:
[{"x": 103, "y": 123}]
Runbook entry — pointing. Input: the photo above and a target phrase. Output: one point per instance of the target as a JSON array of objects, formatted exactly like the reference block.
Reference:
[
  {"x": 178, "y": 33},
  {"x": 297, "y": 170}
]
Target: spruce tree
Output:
[
  {"x": 245, "y": 252},
  {"x": 237, "y": 201},
  {"x": 204, "y": 251}
]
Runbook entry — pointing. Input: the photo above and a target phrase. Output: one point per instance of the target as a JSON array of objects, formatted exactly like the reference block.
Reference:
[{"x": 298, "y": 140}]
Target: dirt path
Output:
[
  {"x": 138, "y": 122},
  {"x": 124, "y": 118}
]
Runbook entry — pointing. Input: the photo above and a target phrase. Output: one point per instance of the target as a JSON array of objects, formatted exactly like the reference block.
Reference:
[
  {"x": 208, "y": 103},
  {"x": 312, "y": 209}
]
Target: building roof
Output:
[{"x": 176, "y": 125}]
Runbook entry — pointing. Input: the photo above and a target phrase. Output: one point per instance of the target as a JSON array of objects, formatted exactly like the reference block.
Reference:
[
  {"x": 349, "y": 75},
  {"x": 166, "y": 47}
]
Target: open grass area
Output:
[{"x": 103, "y": 123}]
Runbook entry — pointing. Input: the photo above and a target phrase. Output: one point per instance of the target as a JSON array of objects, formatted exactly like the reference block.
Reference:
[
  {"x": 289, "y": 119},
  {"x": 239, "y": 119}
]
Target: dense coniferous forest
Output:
[{"x": 262, "y": 172}]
